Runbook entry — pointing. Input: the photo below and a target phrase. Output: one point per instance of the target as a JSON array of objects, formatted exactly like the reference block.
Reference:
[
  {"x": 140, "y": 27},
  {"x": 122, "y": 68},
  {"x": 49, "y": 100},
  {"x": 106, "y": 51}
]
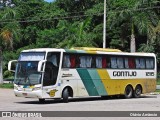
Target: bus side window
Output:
[
  {"x": 138, "y": 66},
  {"x": 131, "y": 63},
  {"x": 113, "y": 62},
  {"x": 126, "y": 63},
  {"x": 66, "y": 61},
  {"x": 142, "y": 63},
  {"x": 72, "y": 61},
  {"x": 82, "y": 61},
  {"x": 104, "y": 62},
  {"x": 108, "y": 62},
  {"x": 120, "y": 63},
  {"x": 77, "y": 61},
  {"x": 93, "y": 62},
  {"x": 149, "y": 63},
  {"x": 88, "y": 61},
  {"x": 54, "y": 58},
  {"x": 98, "y": 62},
  {"x": 85, "y": 61}
]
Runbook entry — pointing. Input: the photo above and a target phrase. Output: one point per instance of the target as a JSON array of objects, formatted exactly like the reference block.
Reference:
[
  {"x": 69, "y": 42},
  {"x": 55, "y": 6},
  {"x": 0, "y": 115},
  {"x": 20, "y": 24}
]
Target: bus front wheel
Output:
[
  {"x": 41, "y": 100},
  {"x": 137, "y": 91},
  {"x": 128, "y": 91},
  {"x": 65, "y": 95}
]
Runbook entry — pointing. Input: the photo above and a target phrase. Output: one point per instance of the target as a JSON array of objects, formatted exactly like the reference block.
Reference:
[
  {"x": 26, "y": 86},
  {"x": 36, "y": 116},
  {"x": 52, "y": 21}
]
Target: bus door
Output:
[{"x": 51, "y": 70}]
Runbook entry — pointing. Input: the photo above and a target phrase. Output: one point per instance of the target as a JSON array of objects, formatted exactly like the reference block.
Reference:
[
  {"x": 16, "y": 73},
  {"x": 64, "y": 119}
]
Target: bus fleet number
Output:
[{"x": 149, "y": 73}]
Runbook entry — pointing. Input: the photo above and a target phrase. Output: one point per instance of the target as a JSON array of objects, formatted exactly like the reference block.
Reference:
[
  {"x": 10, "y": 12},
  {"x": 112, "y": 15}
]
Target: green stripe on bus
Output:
[
  {"x": 81, "y": 51},
  {"x": 75, "y": 51},
  {"x": 97, "y": 82},
  {"x": 70, "y": 51},
  {"x": 87, "y": 81}
]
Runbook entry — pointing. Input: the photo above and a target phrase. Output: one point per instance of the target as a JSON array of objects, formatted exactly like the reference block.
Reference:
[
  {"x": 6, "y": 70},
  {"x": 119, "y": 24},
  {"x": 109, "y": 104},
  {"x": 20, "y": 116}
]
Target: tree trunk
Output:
[
  {"x": 133, "y": 41},
  {"x": 1, "y": 75}
]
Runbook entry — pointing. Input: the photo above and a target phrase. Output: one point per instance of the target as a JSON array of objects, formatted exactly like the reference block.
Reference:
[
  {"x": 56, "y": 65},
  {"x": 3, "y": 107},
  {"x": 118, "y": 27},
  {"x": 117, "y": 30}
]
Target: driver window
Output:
[{"x": 54, "y": 58}]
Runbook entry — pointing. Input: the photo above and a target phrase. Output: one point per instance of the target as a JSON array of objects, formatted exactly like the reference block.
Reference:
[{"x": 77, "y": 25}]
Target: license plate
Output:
[{"x": 25, "y": 94}]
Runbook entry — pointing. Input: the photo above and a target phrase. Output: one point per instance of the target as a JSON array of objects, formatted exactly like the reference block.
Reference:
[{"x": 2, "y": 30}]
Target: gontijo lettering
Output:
[{"x": 124, "y": 73}]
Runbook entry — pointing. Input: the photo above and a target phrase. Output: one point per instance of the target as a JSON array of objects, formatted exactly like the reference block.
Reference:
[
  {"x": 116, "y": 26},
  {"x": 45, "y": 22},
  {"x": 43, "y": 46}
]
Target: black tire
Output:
[
  {"x": 65, "y": 95},
  {"x": 137, "y": 91},
  {"x": 105, "y": 97},
  {"x": 41, "y": 100},
  {"x": 128, "y": 92}
]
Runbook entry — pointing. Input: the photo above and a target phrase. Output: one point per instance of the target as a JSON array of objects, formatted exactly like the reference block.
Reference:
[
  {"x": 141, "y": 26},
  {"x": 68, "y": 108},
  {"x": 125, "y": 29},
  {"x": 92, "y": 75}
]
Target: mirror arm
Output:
[{"x": 39, "y": 69}]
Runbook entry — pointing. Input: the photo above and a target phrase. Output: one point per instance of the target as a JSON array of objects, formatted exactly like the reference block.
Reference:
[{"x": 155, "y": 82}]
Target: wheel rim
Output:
[
  {"x": 65, "y": 95},
  {"x": 128, "y": 92},
  {"x": 138, "y": 91}
]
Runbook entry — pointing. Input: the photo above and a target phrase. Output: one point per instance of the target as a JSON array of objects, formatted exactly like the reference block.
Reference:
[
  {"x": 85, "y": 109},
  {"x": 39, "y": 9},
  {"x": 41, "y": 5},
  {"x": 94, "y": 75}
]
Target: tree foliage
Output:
[{"x": 26, "y": 24}]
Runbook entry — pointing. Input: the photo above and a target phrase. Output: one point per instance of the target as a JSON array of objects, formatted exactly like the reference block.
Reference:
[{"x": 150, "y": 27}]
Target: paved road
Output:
[{"x": 8, "y": 102}]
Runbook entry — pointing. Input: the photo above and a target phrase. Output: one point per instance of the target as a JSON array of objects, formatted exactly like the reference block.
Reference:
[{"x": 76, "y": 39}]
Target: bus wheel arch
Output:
[
  {"x": 137, "y": 91},
  {"x": 66, "y": 93},
  {"x": 128, "y": 92}
]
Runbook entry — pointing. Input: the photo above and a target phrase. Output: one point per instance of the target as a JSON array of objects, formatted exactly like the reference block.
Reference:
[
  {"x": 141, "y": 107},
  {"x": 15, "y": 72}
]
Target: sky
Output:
[{"x": 49, "y": 0}]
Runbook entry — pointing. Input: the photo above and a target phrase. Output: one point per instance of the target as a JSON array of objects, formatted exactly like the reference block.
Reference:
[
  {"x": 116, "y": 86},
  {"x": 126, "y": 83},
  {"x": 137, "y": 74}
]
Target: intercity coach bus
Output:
[{"x": 80, "y": 72}]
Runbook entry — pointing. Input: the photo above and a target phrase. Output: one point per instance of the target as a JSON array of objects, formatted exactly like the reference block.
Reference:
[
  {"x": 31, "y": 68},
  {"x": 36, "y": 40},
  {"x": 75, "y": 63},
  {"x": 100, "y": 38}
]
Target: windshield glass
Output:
[{"x": 26, "y": 73}]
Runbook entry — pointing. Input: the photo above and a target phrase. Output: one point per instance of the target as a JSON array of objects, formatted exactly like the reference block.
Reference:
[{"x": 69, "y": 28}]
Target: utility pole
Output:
[{"x": 104, "y": 26}]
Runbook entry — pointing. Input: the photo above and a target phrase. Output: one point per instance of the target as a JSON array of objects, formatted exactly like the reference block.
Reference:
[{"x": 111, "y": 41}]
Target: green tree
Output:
[
  {"x": 135, "y": 15},
  {"x": 7, "y": 34},
  {"x": 77, "y": 34}
]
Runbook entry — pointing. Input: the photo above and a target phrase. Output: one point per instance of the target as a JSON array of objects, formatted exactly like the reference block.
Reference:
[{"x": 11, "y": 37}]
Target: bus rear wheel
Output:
[
  {"x": 65, "y": 95},
  {"x": 128, "y": 91},
  {"x": 137, "y": 91}
]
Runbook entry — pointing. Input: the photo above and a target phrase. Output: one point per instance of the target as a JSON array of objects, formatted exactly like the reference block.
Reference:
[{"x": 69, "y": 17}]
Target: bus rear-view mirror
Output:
[{"x": 12, "y": 65}]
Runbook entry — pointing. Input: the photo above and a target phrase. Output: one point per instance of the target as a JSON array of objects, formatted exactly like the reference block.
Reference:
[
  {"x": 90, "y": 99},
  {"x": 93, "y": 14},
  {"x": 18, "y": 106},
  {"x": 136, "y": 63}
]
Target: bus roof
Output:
[
  {"x": 89, "y": 50},
  {"x": 80, "y": 49},
  {"x": 43, "y": 50},
  {"x": 96, "y": 49}
]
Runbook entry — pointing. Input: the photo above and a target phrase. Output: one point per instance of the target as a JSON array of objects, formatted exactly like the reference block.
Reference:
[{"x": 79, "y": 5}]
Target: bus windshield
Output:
[{"x": 26, "y": 73}]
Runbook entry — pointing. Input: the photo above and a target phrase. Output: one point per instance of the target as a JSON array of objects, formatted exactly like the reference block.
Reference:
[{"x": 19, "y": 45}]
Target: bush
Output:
[
  {"x": 6, "y": 85},
  {"x": 8, "y": 74},
  {"x": 158, "y": 75}
]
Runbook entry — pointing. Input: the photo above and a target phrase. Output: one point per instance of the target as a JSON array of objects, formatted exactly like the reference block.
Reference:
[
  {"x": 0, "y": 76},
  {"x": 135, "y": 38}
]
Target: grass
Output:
[
  {"x": 7, "y": 85},
  {"x": 158, "y": 81},
  {"x": 158, "y": 90}
]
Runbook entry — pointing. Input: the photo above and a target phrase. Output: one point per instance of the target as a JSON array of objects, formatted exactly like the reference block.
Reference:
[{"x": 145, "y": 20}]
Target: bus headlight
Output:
[
  {"x": 16, "y": 88},
  {"x": 36, "y": 88}
]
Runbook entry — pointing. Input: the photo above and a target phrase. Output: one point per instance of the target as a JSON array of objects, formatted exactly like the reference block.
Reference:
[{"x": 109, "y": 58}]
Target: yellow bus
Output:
[{"x": 46, "y": 73}]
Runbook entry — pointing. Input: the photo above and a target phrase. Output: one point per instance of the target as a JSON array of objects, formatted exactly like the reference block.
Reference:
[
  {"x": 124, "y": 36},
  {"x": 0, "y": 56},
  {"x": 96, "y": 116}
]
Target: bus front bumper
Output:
[{"x": 29, "y": 94}]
